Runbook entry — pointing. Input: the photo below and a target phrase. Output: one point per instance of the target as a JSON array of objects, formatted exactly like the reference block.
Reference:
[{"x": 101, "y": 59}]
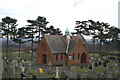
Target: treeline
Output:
[
  {"x": 34, "y": 29},
  {"x": 100, "y": 32}
]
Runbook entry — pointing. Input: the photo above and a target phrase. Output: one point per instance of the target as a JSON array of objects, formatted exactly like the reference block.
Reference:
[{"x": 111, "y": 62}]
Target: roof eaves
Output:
[{"x": 48, "y": 43}]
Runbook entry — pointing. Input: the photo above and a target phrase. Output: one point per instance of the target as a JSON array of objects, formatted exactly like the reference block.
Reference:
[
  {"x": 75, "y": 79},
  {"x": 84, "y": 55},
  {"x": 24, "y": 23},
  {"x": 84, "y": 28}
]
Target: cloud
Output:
[
  {"x": 77, "y": 2},
  {"x": 61, "y": 13}
]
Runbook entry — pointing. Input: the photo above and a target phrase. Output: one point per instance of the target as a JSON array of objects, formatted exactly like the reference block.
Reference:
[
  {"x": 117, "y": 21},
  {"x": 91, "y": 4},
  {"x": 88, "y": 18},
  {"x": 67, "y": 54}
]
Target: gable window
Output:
[
  {"x": 44, "y": 47},
  {"x": 56, "y": 57},
  {"x": 61, "y": 56},
  {"x": 70, "y": 57}
]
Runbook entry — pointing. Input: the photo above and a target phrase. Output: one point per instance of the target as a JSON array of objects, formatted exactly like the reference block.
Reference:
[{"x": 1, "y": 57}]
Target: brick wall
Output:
[{"x": 78, "y": 49}]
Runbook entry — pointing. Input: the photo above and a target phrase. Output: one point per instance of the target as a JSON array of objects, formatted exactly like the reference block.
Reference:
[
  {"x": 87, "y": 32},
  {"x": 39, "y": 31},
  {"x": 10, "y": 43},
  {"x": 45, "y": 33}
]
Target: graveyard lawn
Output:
[{"x": 76, "y": 69}]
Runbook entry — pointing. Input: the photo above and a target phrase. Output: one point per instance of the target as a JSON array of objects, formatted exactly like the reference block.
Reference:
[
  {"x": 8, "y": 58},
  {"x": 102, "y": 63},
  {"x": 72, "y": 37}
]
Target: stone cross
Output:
[
  {"x": 23, "y": 69},
  {"x": 57, "y": 71},
  {"x": 50, "y": 65},
  {"x": 93, "y": 66}
]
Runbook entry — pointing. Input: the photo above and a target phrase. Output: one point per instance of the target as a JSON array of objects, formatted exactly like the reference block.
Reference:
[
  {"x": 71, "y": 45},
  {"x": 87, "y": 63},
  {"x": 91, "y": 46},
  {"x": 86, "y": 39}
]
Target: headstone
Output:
[
  {"x": 23, "y": 75},
  {"x": 50, "y": 65},
  {"x": 53, "y": 78},
  {"x": 107, "y": 61},
  {"x": 57, "y": 71},
  {"x": 10, "y": 78},
  {"x": 86, "y": 66},
  {"x": 29, "y": 67},
  {"x": 105, "y": 64},
  {"x": 5, "y": 69},
  {"x": 34, "y": 77},
  {"x": 23, "y": 69},
  {"x": 96, "y": 64},
  {"x": 112, "y": 58},
  {"x": 90, "y": 67},
  {"x": 99, "y": 63},
  {"x": 13, "y": 68},
  {"x": 81, "y": 66},
  {"x": 63, "y": 75},
  {"x": 7, "y": 61},
  {"x": 78, "y": 76},
  {"x": 72, "y": 71}
]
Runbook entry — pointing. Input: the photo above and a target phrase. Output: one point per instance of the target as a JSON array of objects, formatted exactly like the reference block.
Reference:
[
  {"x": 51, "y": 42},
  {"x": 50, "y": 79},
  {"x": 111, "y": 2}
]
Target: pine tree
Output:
[
  {"x": 41, "y": 26},
  {"x": 52, "y": 31},
  {"x": 30, "y": 33},
  {"x": 19, "y": 37},
  {"x": 9, "y": 29}
]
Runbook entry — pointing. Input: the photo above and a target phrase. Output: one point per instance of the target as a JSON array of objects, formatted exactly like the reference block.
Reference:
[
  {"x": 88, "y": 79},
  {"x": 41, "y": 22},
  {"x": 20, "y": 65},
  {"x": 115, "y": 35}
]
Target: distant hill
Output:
[{"x": 14, "y": 46}]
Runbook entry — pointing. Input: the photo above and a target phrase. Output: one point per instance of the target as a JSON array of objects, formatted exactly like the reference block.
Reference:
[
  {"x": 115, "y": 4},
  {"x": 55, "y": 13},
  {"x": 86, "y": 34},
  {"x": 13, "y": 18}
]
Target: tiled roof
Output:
[{"x": 58, "y": 43}]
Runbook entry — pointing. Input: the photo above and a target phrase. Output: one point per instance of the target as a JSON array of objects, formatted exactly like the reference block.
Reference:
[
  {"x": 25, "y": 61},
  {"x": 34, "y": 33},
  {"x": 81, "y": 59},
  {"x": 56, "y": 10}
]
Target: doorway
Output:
[
  {"x": 83, "y": 58},
  {"x": 44, "y": 59}
]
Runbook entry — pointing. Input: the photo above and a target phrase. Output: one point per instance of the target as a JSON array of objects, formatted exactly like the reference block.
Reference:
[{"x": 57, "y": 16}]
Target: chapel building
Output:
[{"x": 62, "y": 50}]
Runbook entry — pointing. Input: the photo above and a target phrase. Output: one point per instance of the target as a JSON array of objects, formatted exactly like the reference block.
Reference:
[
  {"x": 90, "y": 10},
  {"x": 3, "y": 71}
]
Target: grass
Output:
[
  {"x": 78, "y": 68},
  {"x": 27, "y": 56},
  {"x": 24, "y": 56}
]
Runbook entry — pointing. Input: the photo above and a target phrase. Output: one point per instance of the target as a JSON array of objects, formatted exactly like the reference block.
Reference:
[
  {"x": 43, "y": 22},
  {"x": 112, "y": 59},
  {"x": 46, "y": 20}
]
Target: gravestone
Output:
[
  {"x": 81, "y": 66},
  {"x": 99, "y": 63},
  {"x": 5, "y": 69},
  {"x": 86, "y": 66},
  {"x": 13, "y": 68},
  {"x": 78, "y": 76},
  {"x": 53, "y": 78},
  {"x": 112, "y": 58},
  {"x": 90, "y": 67},
  {"x": 23, "y": 69},
  {"x": 57, "y": 71},
  {"x": 107, "y": 61},
  {"x": 72, "y": 71},
  {"x": 105, "y": 64},
  {"x": 63, "y": 75},
  {"x": 96, "y": 64},
  {"x": 29, "y": 67},
  {"x": 34, "y": 77},
  {"x": 50, "y": 65},
  {"x": 23, "y": 75},
  {"x": 93, "y": 66}
]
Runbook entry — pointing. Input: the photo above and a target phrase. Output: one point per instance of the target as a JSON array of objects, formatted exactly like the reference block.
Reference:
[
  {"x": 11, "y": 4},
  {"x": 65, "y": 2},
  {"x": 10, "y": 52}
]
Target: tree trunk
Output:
[
  {"x": 19, "y": 49},
  {"x": 7, "y": 47},
  {"x": 39, "y": 35},
  {"x": 100, "y": 45},
  {"x": 93, "y": 48},
  {"x": 32, "y": 44},
  {"x": 7, "y": 42}
]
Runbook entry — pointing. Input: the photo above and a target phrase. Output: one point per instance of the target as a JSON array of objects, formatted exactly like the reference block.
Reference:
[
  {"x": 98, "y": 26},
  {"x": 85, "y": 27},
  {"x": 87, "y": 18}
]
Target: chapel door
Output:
[
  {"x": 83, "y": 58},
  {"x": 44, "y": 59}
]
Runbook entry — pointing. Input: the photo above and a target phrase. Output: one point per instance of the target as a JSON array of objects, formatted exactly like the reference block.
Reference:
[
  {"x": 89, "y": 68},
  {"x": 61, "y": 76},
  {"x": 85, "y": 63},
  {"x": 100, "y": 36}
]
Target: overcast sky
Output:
[{"x": 61, "y": 13}]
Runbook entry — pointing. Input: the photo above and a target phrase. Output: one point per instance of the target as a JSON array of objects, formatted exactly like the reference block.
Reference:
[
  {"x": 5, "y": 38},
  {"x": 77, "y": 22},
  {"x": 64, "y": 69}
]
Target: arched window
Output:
[
  {"x": 56, "y": 57},
  {"x": 83, "y": 58},
  {"x": 78, "y": 56},
  {"x": 61, "y": 56}
]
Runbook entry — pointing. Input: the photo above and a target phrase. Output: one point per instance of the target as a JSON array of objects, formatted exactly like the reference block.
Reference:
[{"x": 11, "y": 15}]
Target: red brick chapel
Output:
[{"x": 62, "y": 50}]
